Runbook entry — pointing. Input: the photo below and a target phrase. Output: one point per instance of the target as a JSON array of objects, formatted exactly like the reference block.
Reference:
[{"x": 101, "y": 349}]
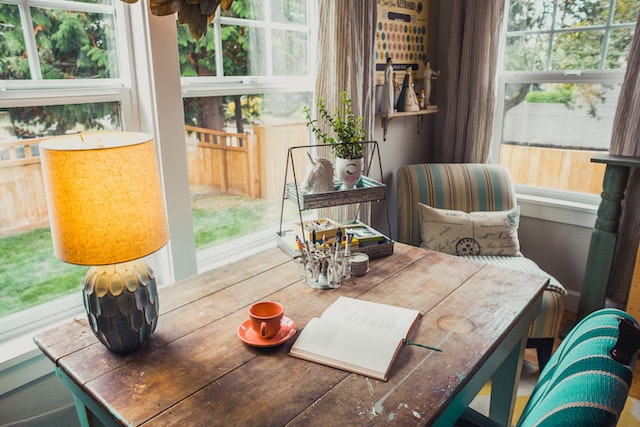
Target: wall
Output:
[
  {"x": 43, "y": 402},
  {"x": 404, "y": 145},
  {"x": 560, "y": 249}
]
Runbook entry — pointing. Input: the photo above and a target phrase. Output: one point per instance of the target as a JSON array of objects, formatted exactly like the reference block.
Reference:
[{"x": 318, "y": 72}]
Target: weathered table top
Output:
[{"x": 196, "y": 371}]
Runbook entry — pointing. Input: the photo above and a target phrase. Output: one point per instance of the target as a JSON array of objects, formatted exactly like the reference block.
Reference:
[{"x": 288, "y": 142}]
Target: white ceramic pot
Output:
[{"x": 348, "y": 171}]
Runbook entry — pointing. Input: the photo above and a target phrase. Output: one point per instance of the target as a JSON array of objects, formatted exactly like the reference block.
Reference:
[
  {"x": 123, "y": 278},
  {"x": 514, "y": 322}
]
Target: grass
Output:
[
  {"x": 219, "y": 218},
  {"x": 30, "y": 274}
]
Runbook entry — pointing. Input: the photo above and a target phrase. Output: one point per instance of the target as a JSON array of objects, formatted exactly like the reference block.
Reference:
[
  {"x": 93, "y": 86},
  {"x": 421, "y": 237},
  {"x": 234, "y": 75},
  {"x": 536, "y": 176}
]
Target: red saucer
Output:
[{"x": 247, "y": 334}]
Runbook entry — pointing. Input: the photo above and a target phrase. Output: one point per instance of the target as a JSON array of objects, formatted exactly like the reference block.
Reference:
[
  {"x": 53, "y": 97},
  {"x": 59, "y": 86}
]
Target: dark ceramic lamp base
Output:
[{"x": 121, "y": 302}]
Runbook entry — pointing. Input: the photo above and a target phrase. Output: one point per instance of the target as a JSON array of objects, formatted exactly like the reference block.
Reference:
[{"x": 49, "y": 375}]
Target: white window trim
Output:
[
  {"x": 222, "y": 86},
  {"x": 543, "y": 203},
  {"x": 17, "y": 330},
  {"x": 144, "y": 112}
]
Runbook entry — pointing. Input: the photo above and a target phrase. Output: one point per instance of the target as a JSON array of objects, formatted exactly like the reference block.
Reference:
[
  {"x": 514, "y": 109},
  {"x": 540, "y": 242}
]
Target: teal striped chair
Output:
[
  {"x": 470, "y": 188},
  {"x": 587, "y": 380},
  {"x": 586, "y": 383}
]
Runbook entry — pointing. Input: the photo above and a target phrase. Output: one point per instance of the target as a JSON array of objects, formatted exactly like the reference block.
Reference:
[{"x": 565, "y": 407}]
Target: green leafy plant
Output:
[{"x": 349, "y": 133}]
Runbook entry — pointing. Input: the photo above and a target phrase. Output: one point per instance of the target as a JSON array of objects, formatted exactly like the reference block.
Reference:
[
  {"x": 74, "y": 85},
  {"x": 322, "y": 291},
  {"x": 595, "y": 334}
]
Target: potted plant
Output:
[{"x": 347, "y": 142}]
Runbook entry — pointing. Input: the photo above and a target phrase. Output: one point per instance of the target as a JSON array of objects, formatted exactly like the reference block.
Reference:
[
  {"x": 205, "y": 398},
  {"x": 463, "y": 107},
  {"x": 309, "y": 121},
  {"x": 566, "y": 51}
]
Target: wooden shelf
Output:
[
  {"x": 386, "y": 118},
  {"x": 367, "y": 190}
]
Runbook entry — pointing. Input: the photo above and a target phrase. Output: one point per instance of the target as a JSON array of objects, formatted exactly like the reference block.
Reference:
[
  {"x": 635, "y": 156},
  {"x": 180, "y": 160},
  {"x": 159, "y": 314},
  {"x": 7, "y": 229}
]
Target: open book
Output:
[{"x": 357, "y": 336}]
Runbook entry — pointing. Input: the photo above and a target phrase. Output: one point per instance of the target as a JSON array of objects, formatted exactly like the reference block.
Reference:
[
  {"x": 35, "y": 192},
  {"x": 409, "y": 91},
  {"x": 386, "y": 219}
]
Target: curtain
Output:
[
  {"x": 625, "y": 141},
  {"x": 469, "y": 78},
  {"x": 346, "y": 46}
]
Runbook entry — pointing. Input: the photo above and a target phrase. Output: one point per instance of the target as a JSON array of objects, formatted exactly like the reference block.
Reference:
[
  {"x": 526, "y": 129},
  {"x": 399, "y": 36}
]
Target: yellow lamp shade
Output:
[{"x": 104, "y": 197}]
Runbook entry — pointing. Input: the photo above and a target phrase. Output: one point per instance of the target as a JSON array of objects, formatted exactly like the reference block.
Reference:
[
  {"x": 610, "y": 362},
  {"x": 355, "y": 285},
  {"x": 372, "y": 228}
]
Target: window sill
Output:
[{"x": 571, "y": 212}]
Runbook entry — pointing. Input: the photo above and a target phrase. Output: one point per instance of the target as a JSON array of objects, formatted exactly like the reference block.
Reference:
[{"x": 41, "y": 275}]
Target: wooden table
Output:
[{"x": 196, "y": 371}]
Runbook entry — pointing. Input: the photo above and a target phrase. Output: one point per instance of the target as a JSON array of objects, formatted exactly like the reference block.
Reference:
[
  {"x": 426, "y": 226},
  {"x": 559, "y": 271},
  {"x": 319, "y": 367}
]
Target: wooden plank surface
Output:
[{"x": 196, "y": 370}]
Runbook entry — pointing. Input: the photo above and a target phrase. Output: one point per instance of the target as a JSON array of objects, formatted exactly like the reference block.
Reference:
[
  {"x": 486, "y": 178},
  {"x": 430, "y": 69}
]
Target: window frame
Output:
[
  {"x": 134, "y": 93},
  {"x": 540, "y": 195},
  {"x": 36, "y": 91},
  {"x": 220, "y": 85}
]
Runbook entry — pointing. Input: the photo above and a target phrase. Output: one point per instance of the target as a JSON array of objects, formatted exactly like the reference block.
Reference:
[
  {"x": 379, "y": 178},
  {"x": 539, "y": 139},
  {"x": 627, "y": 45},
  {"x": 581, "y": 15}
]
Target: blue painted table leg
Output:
[
  {"x": 89, "y": 412},
  {"x": 504, "y": 386}
]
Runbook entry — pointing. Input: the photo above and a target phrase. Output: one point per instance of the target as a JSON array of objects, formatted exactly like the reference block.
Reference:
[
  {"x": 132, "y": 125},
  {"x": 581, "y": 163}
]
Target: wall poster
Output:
[{"x": 401, "y": 33}]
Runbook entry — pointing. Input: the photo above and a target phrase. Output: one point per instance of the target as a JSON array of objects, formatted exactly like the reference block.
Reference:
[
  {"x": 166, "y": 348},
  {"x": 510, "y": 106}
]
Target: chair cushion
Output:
[
  {"x": 582, "y": 385},
  {"x": 467, "y": 187},
  {"x": 475, "y": 233}
]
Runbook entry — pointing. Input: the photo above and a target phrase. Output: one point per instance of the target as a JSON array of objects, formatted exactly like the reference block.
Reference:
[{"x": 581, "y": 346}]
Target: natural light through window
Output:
[
  {"x": 60, "y": 74},
  {"x": 244, "y": 86},
  {"x": 564, "y": 63}
]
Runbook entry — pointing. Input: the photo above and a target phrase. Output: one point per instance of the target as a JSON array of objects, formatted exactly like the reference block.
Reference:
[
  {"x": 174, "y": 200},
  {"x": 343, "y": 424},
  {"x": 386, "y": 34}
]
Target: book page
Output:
[
  {"x": 347, "y": 346},
  {"x": 381, "y": 318}
]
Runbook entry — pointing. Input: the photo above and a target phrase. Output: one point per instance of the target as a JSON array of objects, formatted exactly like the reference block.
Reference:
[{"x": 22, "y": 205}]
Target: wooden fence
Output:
[
  {"x": 218, "y": 161},
  {"x": 22, "y": 199},
  {"x": 559, "y": 168},
  {"x": 223, "y": 162},
  {"x": 253, "y": 165}
]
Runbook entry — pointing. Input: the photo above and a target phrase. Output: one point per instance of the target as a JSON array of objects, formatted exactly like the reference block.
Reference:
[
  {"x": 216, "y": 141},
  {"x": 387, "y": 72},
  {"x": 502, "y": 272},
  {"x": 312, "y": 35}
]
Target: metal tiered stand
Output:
[{"x": 367, "y": 190}]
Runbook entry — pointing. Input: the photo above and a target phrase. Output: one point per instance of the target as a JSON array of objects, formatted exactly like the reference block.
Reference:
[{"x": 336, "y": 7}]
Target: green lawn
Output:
[{"x": 30, "y": 274}]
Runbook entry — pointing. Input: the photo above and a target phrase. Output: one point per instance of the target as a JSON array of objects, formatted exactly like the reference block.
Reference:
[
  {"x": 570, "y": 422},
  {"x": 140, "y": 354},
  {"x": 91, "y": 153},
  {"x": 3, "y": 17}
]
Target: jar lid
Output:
[{"x": 359, "y": 258}]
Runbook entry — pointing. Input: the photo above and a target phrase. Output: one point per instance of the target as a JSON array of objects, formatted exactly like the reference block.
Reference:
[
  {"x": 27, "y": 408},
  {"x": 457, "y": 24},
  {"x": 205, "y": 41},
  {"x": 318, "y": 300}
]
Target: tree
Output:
[
  {"x": 70, "y": 45},
  {"x": 529, "y": 45},
  {"x": 198, "y": 59}
]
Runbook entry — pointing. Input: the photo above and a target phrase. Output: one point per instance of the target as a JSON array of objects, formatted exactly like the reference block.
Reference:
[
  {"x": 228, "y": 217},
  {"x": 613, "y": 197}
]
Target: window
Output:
[
  {"x": 564, "y": 62},
  {"x": 244, "y": 85},
  {"x": 63, "y": 69}
]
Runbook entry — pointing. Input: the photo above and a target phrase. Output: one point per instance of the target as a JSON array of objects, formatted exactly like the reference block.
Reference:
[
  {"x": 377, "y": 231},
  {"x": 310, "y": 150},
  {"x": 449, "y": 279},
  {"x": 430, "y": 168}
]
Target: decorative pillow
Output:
[{"x": 475, "y": 233}]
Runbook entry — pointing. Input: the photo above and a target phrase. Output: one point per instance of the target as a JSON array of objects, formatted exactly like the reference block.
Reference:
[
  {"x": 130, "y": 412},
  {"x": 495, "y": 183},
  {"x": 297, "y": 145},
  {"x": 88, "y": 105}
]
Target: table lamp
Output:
[{"x": 106, "y": 210}]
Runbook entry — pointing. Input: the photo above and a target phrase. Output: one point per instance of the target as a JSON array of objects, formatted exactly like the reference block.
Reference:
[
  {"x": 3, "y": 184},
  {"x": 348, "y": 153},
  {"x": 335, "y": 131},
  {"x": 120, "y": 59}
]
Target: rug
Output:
[{"x": 630, "y": 416}]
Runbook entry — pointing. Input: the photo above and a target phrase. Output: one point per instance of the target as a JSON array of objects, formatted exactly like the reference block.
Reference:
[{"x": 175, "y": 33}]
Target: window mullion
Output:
[
  {"x": 552, "y": 36},
  {"x": 607, "y": 32},
  {"x": 106, "y": 9},
  {"x": 217, "y": 31},
  {"x": 268, "y": 37},
  {"x": 30, "y": 41}
]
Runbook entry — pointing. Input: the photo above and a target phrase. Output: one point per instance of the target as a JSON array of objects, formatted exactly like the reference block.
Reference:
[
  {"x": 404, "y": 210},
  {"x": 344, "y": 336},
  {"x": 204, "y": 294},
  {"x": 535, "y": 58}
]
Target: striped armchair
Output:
[
  {"x": 585, "y": 383},
  {"x": 587, "y": 380},
  {"x": 471, "y": 188}
]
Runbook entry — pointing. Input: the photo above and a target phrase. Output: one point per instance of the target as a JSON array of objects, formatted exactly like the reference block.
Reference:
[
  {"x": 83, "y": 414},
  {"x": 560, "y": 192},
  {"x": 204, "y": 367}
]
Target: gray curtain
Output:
[
  {"x": 346, "y": 47},
  {"x": 625, "y": 141},
  {"x": 346, "y": 43},
  {"x": 471, "y": 29}
]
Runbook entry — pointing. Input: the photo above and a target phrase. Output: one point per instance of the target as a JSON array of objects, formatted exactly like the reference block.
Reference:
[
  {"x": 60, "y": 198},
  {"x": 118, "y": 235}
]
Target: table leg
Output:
[
  {"x": 84, "y": 415},
  {"x": 504, "y": 385},
  {"x": 89, "y": 413},
  {"x": 503, "y": 367}
]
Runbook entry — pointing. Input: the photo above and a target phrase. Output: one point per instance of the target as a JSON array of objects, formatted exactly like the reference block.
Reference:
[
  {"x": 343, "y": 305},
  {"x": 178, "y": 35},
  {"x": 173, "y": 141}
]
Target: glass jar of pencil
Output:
[{"x": 326, "y": 264}]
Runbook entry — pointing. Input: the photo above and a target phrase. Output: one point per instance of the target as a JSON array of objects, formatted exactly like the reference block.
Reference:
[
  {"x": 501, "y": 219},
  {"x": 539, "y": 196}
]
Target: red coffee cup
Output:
[{"x": 265, "y": 318}]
